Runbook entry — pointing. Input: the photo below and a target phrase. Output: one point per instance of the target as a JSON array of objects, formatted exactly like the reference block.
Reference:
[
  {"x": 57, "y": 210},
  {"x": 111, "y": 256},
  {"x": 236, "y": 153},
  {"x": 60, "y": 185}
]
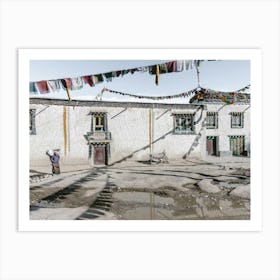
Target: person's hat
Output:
[{"x": 50, "y": 153}]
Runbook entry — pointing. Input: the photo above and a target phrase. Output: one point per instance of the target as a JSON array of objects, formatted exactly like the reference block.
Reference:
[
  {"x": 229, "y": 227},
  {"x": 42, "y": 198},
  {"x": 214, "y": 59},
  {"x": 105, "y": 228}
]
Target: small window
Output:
[
  {"x": 212, "y": 120},
  {"x": 32, "y": 127},
  {"x": 183, "y": 123},
  {"x": 237, "y": 120},
  {"x": 99, "y": 121}
]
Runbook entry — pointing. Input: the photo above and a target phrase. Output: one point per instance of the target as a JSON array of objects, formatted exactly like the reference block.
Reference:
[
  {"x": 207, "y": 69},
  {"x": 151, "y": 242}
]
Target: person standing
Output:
[{"x": 54, "y": 158}]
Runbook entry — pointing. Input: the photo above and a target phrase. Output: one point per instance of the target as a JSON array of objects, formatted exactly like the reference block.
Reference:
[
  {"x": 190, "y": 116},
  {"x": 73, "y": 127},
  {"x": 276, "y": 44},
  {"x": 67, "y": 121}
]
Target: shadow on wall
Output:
[
  {"x": 200, "y": 117},
  {"x": 158, "y": 117},
  {"x": 197, "y": 138},
  {"x": 141, "y": 149},
  {"x": 194, "y": 144},
  {"x": 119, "y": 113}
]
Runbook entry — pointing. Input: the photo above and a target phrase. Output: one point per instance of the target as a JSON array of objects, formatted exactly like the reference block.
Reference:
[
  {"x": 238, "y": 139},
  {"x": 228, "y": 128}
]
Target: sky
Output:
[{"x": 223, "y": 75}]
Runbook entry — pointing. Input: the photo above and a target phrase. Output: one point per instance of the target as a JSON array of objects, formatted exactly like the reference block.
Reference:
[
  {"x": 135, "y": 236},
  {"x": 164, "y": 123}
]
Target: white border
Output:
[{"x": 25, "y": 224}]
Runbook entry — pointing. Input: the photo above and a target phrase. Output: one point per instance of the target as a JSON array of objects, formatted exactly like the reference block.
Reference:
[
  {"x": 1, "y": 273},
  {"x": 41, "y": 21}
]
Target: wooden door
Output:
[
  {"x": 211, "y": 145},
  {"x": 241, "y": 145},
  {"x": 233, "y": 145},
  {"x": 237, "y": 145},
  {"x": 99, "y": 155}
]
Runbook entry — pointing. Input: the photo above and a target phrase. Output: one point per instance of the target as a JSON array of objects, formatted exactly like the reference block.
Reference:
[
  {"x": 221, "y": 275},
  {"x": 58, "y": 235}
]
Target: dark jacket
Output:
[{"x": 55, "y": 158}]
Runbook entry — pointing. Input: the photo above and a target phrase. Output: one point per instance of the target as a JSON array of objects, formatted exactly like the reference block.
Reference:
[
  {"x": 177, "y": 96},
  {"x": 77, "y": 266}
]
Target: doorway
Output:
[
  {"x": 237, "y": 144},
  {"x": 99, "y": 155},
  {"x": 212, "y": 145}
]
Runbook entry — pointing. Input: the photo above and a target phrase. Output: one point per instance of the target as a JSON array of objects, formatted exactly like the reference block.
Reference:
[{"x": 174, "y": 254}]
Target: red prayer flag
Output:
[
  {"x": 88, "y": 80},
  {"x": 43, "y": 86}
]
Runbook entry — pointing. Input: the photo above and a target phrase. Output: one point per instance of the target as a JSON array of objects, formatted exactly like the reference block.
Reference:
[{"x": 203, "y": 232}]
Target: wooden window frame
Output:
[
  {"x": 99, "y": 116},
  {"x": 215, "y": 114},
  {"x": 241, "y": 121},
  {"x": 180, "y": 117}
]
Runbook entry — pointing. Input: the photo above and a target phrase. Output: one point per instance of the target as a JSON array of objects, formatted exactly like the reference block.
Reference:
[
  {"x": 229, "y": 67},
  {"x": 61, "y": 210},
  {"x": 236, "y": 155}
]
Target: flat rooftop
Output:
[{"x": 98, "y": 103}]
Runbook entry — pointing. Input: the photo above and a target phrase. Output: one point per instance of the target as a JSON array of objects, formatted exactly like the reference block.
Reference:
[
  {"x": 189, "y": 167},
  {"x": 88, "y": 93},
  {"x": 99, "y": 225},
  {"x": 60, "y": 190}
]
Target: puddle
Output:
[
  {"x": 178, "y": 205},
  {"x": 142, "y": 197},
  {"x": 141, "y": 205}
]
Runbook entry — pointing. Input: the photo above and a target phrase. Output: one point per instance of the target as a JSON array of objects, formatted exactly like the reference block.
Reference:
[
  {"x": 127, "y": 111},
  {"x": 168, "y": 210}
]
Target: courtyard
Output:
[{"x": 215, "y": 188}]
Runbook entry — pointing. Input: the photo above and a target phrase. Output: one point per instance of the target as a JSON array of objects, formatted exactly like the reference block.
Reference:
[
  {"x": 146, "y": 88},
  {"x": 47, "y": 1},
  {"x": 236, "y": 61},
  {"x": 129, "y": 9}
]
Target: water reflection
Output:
[{"x": 134, "y": 205}]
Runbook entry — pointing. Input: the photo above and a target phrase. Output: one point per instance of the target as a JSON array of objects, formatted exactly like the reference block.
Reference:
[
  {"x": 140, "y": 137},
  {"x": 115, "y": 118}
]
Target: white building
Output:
[
  {"x": 103, "y": 132},
  {"x": 227, "y": 125}
]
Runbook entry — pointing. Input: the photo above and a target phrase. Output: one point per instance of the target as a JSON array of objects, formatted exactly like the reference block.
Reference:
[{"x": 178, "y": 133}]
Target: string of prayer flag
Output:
[
  {"x": 183, "y": 94},
  {"x": 77, "y": 83},
  {"x": 226, "y": 97},
  {"x": 199, "y": 93}
]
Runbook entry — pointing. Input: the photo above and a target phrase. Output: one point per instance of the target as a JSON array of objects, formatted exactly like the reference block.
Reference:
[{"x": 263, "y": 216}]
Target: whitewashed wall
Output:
[
  {"x": 177, "y": 145},
  {"x": 130, "y": 134},
  {"x": 129, "y": 128},
  {"x": 50, "y": 133}
]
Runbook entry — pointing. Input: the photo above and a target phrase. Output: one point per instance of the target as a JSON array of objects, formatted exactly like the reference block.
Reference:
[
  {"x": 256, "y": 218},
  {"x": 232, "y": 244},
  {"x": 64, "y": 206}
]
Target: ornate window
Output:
[
  {"x": 183, "y": 123},
  {"x": 98, "y": 128},
  {"x": 100, "y": 123}
]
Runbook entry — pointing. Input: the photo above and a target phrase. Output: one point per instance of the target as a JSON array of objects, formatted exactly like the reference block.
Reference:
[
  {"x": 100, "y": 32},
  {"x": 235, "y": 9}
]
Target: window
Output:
[
  {"x": 99, "y": 121},
  {"x": 32, "y": 128},
  {"x": 237, "y": 120},
  {"x": 183, "y": 123},
  {"x": 212, "y": 120}
]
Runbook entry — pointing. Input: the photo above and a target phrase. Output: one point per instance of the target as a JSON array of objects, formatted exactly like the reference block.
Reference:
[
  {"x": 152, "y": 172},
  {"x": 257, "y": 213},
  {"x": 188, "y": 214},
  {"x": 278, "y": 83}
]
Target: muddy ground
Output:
[{"x": 193, "y": 189}]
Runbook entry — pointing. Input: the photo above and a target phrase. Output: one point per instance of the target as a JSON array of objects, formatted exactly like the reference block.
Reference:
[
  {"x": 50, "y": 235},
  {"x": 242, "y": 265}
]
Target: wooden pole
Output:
[
  {"x": 150, "y": 131},
  {"x": 68, "y": 94},
  {"x": 68, "y": 128},
  {"x": 157, "y": 74},
  {"x": 65, "y": 130}
]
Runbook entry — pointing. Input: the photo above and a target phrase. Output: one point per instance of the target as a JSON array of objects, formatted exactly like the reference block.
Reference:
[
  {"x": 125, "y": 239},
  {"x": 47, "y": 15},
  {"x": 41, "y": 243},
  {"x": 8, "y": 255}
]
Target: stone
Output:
[
  {"x": 206, "y": 185},
  {"x": 241, "y": 191}
]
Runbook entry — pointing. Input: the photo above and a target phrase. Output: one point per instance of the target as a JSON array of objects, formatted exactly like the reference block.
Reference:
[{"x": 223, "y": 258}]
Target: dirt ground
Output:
[{"x": 210, "y": 189}]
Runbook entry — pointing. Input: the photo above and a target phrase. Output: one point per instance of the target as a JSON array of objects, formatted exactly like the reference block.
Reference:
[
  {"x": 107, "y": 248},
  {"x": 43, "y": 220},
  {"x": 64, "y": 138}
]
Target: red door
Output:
[
  {"x": 99, "y": 155},
  {"x": 211, "y": 145}
]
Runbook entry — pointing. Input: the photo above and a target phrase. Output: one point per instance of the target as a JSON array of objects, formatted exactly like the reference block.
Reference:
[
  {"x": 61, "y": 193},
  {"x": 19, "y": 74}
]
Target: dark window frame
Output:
[
  {"x": 215, "y": 125},
  {"x": 235, "y": 123},
  {"x": 99, "y": 121},
  {"x": 183, "y": 125}
]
